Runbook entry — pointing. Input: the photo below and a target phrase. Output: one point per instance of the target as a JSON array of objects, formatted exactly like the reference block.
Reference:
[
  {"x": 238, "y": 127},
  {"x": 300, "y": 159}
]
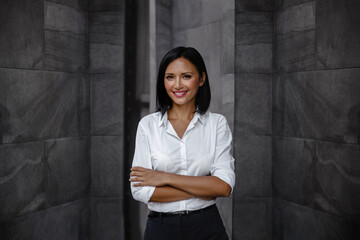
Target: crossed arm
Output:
[{"x": 172, "y": 187}]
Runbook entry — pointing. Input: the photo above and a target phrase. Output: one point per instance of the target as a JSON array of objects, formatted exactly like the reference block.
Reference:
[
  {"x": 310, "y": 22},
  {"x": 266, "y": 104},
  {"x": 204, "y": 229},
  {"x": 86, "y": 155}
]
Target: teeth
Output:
[{"x": 179, "y": 93}]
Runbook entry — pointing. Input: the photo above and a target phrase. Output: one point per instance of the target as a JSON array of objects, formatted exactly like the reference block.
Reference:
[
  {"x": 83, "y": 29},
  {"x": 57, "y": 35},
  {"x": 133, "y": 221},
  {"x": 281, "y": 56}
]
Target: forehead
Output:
[{"x": 180, "y": 65}]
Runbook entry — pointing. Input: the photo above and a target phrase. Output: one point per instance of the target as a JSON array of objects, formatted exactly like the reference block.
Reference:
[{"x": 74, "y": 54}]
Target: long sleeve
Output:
[
  {"x": 142, "y": 158},
  {"x": 223, "y": 166}
]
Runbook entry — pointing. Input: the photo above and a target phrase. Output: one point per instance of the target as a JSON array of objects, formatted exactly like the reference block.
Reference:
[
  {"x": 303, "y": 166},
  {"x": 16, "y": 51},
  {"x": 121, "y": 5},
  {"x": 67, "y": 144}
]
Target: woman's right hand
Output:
[{"x": 147, "y": 177}]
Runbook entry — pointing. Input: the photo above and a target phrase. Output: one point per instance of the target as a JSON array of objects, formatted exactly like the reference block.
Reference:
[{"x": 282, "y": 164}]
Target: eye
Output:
[
  {"x": 169, "y": 77},
  {"x": 187, "y": 76}
]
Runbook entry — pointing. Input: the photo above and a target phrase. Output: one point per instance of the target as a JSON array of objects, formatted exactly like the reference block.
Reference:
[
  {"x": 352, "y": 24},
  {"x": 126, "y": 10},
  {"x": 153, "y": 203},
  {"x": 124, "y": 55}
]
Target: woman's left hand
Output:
[{"x": 147, "y": 177}]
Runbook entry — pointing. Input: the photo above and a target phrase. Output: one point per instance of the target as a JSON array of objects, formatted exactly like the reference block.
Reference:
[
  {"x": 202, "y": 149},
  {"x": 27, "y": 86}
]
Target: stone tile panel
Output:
[
  {"x": 253, "y": 166},
  {"x": 41, "y": 104},
  {"x": 253, "y": 103},
  {"x": 254, "y": 27},
  {"x": 107, "y": 27},
  {"x": 295, "y": 38},
  {"x": 314, "y": 174},
  {"x": 183, "y": 15},
  {"x": 107, "y": 104},
  {"x": 107, "y": 173},
  {"x": 318, "y": 105},
  {"x": 65, "y": 51},
  {"x": 67, "y": 170},
  {"x": 295, "y": 222},
  {"x": 107, "y": 218},
  {"x": 254, "y": 31},
  {"x": 252, "y": 218},
  {"x": 22, "y": 180},
  {"x": 22, "y": 37},
  {"x": 337, "y": 34},
  {"x": 66, "y": 44},
  {"x": 68, "y": 221}
]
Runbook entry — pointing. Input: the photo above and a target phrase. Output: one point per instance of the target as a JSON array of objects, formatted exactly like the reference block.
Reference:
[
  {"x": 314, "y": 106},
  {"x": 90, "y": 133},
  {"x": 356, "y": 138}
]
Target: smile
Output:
[{"x": 180, "y": 93}]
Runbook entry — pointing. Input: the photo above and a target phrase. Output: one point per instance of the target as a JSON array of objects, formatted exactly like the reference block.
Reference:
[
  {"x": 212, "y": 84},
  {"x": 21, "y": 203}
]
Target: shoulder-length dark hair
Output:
[{"x": 203, "y": 96}]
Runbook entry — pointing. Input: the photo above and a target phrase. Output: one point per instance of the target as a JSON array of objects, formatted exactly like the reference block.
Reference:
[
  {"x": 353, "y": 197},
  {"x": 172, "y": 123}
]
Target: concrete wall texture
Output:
[
  {"x": 283, "y": 72},
  {"x": 316, "y": 121},
  {"x": 61, "y": 115}
]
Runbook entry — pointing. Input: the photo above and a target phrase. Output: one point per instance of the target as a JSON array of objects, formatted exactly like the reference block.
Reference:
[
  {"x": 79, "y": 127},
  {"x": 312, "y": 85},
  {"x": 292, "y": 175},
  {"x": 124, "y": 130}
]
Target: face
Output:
[{"x": 182, "y": 81}]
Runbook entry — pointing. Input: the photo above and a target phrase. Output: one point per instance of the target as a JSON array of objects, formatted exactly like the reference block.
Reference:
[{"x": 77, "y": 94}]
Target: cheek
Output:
[
  {"x": 167, "y": 85},
  {"x": 194, "y": 84}
]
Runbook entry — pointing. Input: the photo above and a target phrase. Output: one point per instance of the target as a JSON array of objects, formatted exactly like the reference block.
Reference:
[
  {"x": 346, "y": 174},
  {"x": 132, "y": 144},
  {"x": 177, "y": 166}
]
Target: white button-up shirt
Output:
[{"x": 204, "y": 149}]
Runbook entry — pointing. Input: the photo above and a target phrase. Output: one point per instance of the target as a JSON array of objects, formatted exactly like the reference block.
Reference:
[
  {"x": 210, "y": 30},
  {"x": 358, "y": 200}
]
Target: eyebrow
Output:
[{"x": 181, "y": 73}]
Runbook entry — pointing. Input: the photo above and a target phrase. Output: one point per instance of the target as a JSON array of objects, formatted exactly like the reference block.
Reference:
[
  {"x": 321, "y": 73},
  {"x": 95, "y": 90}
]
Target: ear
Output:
[{"x": 202, "y": 79}]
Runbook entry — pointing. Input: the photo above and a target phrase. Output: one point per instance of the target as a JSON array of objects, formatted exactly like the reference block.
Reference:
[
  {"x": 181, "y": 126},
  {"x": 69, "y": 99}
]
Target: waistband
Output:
[{"x": 179, "y": 213}]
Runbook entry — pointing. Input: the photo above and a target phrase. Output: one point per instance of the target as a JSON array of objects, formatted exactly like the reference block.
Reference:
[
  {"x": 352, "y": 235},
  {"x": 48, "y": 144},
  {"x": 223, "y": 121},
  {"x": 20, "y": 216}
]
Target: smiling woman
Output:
[
  {"x": 182, "y": 81},
  {"x": 182, "y": 160}
]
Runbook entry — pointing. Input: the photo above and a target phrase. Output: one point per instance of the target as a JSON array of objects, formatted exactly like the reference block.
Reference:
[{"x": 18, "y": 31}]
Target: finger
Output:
[
  {"x": 135, "y": 173},
  {"x": 136, "y": 168},
  {"x": 139, "y": 184},
  {"x": 136, "y": 179}
]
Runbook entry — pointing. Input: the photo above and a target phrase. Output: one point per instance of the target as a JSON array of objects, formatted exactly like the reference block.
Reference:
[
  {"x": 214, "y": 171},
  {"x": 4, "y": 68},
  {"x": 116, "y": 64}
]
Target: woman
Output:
[{"x": 182, "y": 159}]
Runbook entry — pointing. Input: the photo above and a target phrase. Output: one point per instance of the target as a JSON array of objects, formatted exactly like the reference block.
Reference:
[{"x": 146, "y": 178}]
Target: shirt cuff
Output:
[{"x": 143, "y": 194}]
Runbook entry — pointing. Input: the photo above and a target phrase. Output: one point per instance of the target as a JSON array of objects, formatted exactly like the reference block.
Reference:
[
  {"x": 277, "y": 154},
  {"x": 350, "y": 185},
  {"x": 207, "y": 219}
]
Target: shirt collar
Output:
[{"x": 197, "y": 116}]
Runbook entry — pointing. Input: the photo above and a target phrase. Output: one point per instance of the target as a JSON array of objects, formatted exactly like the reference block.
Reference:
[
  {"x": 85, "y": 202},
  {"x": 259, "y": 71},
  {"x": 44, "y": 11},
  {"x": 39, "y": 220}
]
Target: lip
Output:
[{"x": 179, "y": 93}]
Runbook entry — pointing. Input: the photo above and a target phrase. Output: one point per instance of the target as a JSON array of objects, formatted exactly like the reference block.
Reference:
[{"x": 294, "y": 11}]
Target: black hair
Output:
[{"x": 203, "y": 96}]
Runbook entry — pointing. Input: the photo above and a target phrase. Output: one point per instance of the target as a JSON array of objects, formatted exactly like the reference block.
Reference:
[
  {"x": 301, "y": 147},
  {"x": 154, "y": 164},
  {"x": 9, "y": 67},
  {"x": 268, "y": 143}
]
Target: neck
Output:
[{"x": 181, "y": 112}]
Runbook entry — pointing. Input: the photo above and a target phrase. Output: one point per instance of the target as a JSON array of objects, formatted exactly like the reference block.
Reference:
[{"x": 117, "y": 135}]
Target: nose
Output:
[{"x": 178, "y": 83}]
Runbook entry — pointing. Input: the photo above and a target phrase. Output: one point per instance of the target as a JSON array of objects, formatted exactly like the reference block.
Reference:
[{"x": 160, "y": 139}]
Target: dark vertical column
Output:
[
  {"x": 107, "y": 89},
  {"x": 133, "y": 108},
  {"x": 316, "y": 126},
  {"x": 253, "y": 119}
]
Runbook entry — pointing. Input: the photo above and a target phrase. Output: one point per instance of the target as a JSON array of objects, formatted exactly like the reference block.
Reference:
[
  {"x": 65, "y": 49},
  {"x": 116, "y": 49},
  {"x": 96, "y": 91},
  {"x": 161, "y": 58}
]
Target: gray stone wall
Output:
[
  {"x": 316, "y": 143},
  {"x": 44, "y": 120},
  {"x": 61, "y": 119},
  {"x": 297, "y": 120},
  {"x": 253, "y": 120}
]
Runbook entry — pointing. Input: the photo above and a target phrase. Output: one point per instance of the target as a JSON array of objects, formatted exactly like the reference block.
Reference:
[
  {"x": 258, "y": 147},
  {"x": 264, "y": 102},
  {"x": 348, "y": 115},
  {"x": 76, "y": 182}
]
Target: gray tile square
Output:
[
  {"x": 22, "y": 37},
  {"x": 107, "y": 104},
  {"x": 66, "y": 38},
  {"x": 295, "y": 38},
  {"x": 253, "y": 103},
  {"x": 69, "y": 221},
  {"x": 337, "y": 34},
  {"x": 295, "y": 222},
  {"x": 318, "y": 105},
  {"x": 107, "y": 171},
  {"x": 68, "y": 170},
  {"x": 22, "y": 179},
  {"x": 40, "y": 105},
  {"x": 252, "y": 218},
  {"x": 317, "y": 174},
  {"x": 253, "y": 166},
  {"x": 107, "y": 219}
]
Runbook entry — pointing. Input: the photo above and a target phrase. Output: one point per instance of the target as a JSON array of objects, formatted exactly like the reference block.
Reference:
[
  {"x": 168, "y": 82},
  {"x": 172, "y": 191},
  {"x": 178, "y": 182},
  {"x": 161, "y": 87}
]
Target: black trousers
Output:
[{"x": 205, "y": 225}]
